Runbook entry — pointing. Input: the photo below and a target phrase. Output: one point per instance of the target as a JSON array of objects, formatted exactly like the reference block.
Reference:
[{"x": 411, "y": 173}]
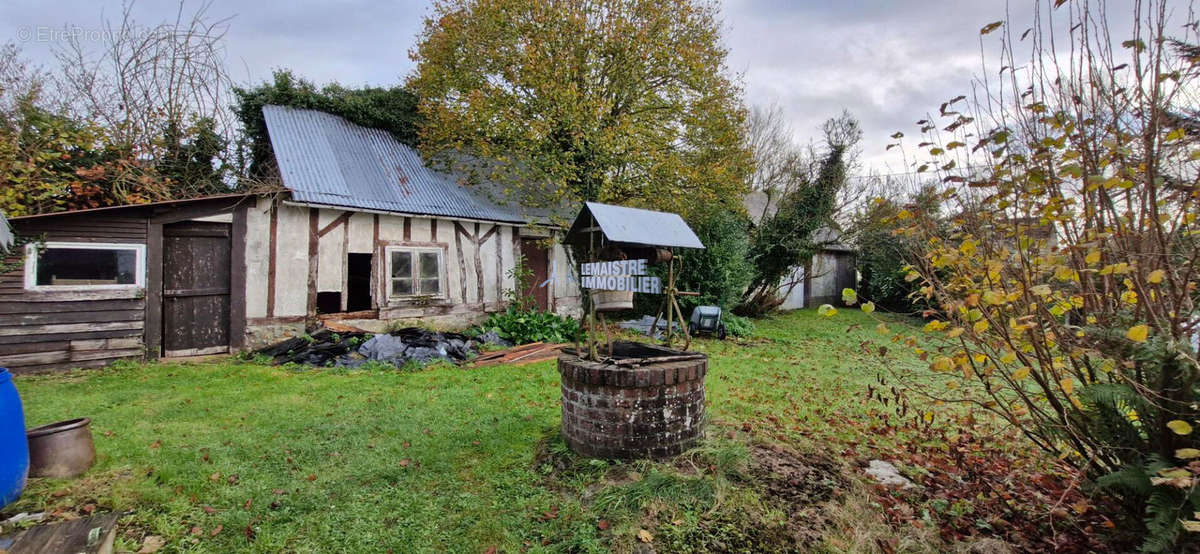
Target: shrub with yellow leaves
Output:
[{"x": 1067, "y": 289}]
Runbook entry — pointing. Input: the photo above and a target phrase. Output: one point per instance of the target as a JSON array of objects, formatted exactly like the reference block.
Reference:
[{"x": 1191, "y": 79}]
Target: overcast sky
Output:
[{"x": 887, "y": 61}]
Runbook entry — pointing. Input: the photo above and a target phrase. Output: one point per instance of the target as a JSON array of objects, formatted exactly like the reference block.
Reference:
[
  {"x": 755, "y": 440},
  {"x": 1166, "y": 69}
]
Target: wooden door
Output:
[
  {"x": 196, "y": 270},
  {"x": 537, "y": 258}
]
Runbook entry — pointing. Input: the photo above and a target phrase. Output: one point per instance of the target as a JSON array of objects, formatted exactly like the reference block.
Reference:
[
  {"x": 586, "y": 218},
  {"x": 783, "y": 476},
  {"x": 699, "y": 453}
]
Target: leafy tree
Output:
[
  {"x": 786, "y": 240},
  {"x": 191, "y": 160},
  {"x": 392, "y": 109},
  {"x": 626, "y": 102}
]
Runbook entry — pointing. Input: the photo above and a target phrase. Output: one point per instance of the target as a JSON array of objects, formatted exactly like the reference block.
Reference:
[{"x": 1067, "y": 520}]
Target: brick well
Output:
[{"x": 652, "y": 411}]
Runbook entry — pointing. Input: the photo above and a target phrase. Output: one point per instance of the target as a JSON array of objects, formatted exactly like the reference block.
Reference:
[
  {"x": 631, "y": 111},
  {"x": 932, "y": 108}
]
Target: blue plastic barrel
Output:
[{"x": 14, "y": 447}]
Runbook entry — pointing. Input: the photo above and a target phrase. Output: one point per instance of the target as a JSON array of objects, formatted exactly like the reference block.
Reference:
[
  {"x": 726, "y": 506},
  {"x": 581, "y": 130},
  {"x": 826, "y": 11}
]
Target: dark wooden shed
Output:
[{"x": 92, "y": 286}]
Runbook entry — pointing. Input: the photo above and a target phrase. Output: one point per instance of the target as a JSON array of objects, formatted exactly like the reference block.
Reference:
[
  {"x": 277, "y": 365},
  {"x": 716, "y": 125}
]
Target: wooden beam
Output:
[
  {"x": 194, "y": 211},
  {"x": 339, "y": 220},
  {"x": 314, "y": 252},
  {"x": 237, "y": 279},
  {"x": 272, "y": 256},
  {"x": 154, "y": 287}
]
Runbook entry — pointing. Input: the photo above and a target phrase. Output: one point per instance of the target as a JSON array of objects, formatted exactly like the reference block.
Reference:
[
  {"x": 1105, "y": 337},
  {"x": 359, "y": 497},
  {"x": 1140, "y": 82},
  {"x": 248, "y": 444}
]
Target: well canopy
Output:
[{"x": 632, "y": 226}]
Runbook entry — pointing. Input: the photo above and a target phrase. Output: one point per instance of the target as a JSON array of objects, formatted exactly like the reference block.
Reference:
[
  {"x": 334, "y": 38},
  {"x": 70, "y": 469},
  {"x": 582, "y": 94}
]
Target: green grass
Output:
[{"x": 438, "y": 460}]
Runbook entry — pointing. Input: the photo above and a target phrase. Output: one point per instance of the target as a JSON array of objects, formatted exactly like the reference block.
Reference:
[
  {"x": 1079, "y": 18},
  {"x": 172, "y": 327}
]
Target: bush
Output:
[
  {"x": 738, "y": 326},
  {"x": 719, "y": 273},
  {"x": 1067, "y": 290},
  {"x": 883, "y": 253},
  {"x": 526, "y": 326}
]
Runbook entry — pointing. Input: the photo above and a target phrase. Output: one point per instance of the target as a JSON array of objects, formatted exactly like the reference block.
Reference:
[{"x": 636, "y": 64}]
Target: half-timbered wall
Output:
[{"x": 308, "y": 257}]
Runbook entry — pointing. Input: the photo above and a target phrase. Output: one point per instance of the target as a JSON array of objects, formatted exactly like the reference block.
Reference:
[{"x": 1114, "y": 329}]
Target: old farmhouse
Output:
[{"x": 363, "y": 232}]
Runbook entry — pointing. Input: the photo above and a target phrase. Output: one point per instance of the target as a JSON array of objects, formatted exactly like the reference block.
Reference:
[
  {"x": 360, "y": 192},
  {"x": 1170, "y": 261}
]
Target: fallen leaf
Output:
[
  {"x": 196, "y": 530},
  {"x": 208, "y": 509},
  {"x": 152, "y": 544},
  {"x": 60, "y": 493},
  {"x": 275, "y": 505},
  {"x": 156, "y": 444},
  {"x": 246, "y": 506},
  {"x": 279, "y": 491},
  {"x": 249, "y": 532},
  {"x": 1179, "y": 426},
  {"x": 644, "y": 536},
  {"x": 405, "y": 462},
  {"x": 216, "y": 530},
  {"x": 88, "y": 508},
  {"x": 602, "y": 524},
  {"x": 214, "y": 477},
  {"x": 233, "y": 479},
  {"x": 312, "y": 476},
  {"x": 490, "y": 550}
]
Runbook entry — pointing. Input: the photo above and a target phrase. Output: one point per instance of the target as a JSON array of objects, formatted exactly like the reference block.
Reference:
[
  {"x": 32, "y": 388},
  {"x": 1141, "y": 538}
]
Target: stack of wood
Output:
[{"x": 519, "y": 355}]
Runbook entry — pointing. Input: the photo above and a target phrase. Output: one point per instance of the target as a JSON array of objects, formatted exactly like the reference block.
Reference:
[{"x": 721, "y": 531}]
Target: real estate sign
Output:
[{"x": 628, "y": 275}]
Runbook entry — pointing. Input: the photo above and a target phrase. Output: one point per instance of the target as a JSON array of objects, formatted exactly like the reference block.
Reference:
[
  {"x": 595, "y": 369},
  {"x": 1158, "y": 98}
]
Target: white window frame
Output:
[
  {"x": 32, "y": 252},
  {"x": 415, "y": 251}
]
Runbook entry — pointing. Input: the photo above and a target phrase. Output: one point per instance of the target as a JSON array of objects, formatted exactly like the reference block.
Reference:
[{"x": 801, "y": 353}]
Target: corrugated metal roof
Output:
[
  {"x": 636, "y": 226},
  {"x": 324, "y": 159}
]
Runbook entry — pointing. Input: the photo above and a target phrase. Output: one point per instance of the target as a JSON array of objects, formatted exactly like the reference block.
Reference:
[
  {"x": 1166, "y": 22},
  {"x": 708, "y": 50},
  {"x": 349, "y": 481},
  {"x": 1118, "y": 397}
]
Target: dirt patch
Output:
[{"x": 800, "y": 485}]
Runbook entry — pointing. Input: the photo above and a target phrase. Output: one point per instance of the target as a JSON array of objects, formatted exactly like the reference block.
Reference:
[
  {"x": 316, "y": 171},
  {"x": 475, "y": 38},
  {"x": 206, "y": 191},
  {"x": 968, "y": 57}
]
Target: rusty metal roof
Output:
[
  {"x": 324, "y": 159},
  {"x": 634, "y": 226}
]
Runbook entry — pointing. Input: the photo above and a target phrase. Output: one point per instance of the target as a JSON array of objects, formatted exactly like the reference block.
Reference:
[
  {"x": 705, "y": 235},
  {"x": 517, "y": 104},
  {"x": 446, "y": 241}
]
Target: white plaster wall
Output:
[
  {"x": 258, "y": 238},
  {"x": 291, "y": 262},
  {"x": 362, "y": 233},
  {"x": 330, "y": 253}
]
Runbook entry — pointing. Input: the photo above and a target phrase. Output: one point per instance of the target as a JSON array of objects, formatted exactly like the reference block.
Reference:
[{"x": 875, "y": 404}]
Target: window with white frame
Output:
[
  {"x": 415, "y": 272},
  {"x": 84, "y": 266}
]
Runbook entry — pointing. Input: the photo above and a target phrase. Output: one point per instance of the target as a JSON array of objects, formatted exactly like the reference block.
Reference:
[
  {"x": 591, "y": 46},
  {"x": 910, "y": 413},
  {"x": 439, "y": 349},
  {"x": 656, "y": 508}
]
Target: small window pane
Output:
[
  {"x": 402, "y": 265},
  {"x": 429, "y": 265},
  {"x": 429, "y": 286},
  {"x": 86, "y": 266},
  {"x": 402, "y": 287}
]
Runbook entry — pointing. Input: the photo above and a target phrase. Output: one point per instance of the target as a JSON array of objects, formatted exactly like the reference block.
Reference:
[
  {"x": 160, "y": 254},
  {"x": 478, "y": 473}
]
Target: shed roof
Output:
[
  {"x": 634, "y": 226},
  {"x": 324, "y": 159}
]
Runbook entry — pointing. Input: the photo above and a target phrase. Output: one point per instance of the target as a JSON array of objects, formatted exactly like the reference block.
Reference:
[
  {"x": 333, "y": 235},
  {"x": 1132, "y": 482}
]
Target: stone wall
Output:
[{"x": 653, "y": 411}]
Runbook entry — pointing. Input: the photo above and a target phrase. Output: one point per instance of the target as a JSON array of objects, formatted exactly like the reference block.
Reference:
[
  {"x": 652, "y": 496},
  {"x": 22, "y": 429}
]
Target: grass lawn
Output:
[{"x": 236, "y": 456}]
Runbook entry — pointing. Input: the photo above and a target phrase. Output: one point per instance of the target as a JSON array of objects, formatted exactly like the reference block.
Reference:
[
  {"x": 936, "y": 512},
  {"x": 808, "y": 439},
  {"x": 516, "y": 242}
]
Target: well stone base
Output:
[{"x": 652, "y": 411}]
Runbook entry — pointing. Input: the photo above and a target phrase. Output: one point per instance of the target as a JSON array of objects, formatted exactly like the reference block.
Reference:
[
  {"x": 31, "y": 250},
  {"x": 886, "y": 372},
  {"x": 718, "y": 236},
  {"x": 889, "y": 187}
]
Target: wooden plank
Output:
[
  {"x": 84, "y": 295},
  {"x": 31, "y": 347},
  {"x": 407, "y": 229},
  {"x": 53, "y": 337},
  {"x": 107, "y": 353},
  {"x": 101, "y": 344},
  {"x": 313, "y": 255},
  {"x": 377, "y": 265},
  {"x": 462, "y": 262},
  {"x": 154, "y": 287},
  {"x": 271, "y": 256},
  {"x": 69, "y": 328},
  {"x": 181, "y": 293},
  {"x": 35, "y": 358},
  {"x": 237, "y": 279},
  {"x": 19, "y": 307},
  {"x": 62, "y": 366},
  {"x": 81, "y": 316},
  {"x": 69, "y": 536}
]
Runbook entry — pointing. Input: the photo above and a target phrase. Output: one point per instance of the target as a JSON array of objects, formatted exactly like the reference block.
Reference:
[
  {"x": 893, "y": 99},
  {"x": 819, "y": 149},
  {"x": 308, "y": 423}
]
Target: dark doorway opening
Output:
[
  {"x": 358, "y": 282},
  {"x": 329, "y": 302}
]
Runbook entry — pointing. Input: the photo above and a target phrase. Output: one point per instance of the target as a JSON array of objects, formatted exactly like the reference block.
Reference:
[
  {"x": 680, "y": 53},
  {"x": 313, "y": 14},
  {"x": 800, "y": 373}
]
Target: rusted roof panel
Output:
[{"x": 324, "y": 159}]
